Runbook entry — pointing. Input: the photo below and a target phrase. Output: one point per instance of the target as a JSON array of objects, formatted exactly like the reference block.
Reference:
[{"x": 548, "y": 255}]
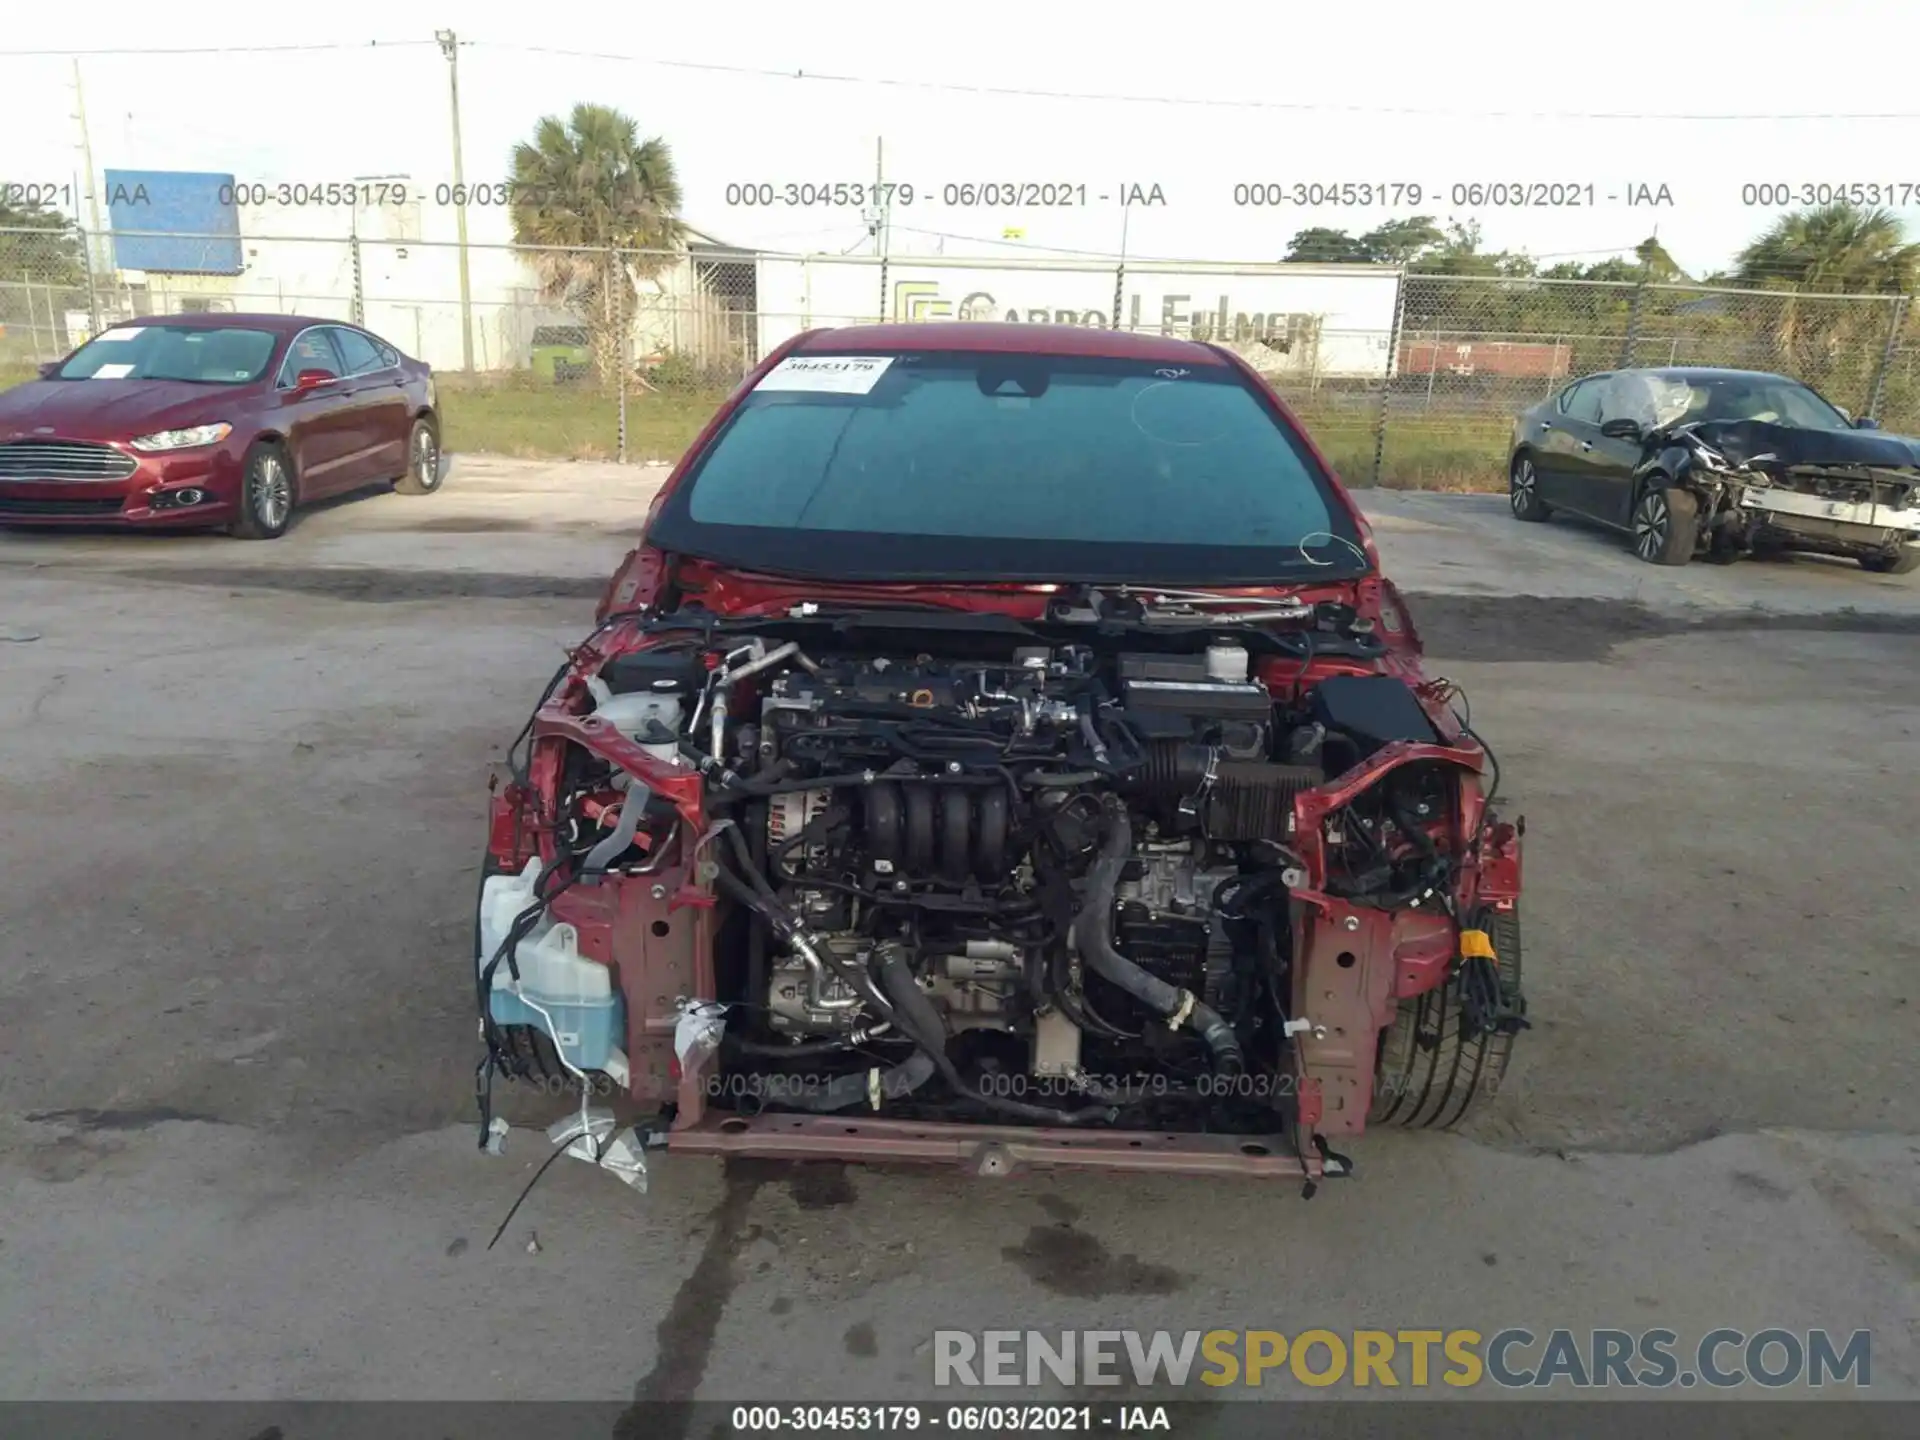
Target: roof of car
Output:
[
  {"x": 223, "y": 320},
  {"x": 1703, "y": 372},
  {"x": 999, "y": 337}
]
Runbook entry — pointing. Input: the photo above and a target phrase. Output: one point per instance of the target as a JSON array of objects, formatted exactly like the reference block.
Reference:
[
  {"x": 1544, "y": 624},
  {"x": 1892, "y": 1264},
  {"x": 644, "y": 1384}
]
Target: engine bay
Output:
[{"x": 961, "y": 879}]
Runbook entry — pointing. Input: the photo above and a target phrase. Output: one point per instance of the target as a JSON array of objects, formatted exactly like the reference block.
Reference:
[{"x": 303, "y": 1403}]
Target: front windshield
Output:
[
  {"x": 1023, "y": 467},
  {"x": 172, "y": 352}
]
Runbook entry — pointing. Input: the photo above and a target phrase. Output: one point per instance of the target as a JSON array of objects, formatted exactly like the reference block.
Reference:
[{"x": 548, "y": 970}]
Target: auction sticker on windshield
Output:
[
  {"x": 831, "y": 374},
  {"x": 118, "y": 335},
  {"x": 112, "y": 372}
]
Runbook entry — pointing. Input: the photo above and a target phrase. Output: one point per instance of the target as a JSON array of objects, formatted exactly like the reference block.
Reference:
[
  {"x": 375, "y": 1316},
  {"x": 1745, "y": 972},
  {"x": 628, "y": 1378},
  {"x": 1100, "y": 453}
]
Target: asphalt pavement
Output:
[{"x": 242, "y": 793}]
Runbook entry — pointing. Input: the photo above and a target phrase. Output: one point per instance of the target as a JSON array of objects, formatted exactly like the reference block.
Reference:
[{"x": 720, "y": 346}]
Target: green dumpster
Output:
[{"x": 560, "y": 353}]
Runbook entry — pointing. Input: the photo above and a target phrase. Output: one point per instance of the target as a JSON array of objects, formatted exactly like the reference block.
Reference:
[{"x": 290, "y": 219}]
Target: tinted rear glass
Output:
[
  {"x": 162, "y": 352},
  {"x": 1034, "y": 467}
]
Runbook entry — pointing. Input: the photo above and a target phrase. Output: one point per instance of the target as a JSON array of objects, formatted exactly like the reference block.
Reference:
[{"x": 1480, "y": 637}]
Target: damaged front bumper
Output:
[
  {"x": 999, "y": 1150},
  {"x": 1873, "y": 523}
]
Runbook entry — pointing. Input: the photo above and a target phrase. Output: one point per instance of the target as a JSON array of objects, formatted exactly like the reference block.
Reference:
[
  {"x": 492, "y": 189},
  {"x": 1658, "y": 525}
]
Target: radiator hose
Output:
[
  {"x": 1093, "y": 938},
  {"x": 915, "y": 1015}
]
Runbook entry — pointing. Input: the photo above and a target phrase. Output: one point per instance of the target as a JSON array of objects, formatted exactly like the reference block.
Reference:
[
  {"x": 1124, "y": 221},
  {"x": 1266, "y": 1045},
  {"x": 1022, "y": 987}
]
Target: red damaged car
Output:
[
  {"x": 201, "y": 421},
  {"x": 1003, "y": 748}
]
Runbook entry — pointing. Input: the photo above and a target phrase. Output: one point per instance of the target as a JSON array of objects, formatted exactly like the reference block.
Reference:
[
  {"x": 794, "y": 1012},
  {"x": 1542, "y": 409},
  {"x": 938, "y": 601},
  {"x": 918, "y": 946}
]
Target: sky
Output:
[{"x": 1191, "y": 103}]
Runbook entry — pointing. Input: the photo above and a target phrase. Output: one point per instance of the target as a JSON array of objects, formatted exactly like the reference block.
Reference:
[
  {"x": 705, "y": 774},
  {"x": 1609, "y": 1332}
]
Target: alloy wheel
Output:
[
  {"x": 1523, "y": 490},
  {"x": 426, "y": 459},
  {"x": 272, "y": 492},
  {"x": 1651, "y": 520}
]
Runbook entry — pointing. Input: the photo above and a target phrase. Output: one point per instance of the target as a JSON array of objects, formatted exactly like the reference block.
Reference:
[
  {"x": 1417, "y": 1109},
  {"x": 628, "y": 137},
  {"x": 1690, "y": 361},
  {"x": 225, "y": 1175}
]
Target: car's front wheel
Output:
[
  {"x": 1903, "y": 561},
  {"x": 1666, "y": 526},
  {"x": 266, "y": 493},
  {"x": 1523, "y": 490},
  {"x": 423, "y": 460},
  {"x": 1434, "y": 1063}
]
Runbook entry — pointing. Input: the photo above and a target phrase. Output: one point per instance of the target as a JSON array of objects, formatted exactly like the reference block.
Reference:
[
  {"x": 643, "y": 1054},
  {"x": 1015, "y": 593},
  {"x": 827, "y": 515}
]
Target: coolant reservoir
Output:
[
  {"x": 1227, "y": 662},
  {"x": 560, "y": 992},
  {"x": 635, "y": 715}
]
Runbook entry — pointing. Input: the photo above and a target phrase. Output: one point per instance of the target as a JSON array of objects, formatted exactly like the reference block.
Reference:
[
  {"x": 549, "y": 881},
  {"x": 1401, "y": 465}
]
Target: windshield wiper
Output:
[
  {"x": 906, "y": 615},
  {"x": 909, "y": 617},
  {"x": 1158, "y": 605}
]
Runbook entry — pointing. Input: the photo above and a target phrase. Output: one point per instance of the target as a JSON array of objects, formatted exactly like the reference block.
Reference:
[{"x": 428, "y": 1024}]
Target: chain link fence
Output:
[{"x": 1404, "y": 379}]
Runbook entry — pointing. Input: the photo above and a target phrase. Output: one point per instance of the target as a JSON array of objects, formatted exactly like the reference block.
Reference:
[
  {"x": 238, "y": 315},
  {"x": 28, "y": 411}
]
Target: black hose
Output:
[
  {"x": 1237, "y": 895},
  {"x": 760, "y": 899},
  {"x": 1409, "y": 825},
  {"x": 1041, "y": 779},
  {"x": 738, "y": 844},
  {"x": 843, "y": 1092},
  {"x": 1093, "y": 935},
  {"x": 855, "y": 779},
  {"x": 805, "y": 1049},
  {"x": 1082, "y": 1015},
  {"x": 739, "y": 891},
  {"x": 915, "y": 1015},
  {"x": 759, "y": 967}
]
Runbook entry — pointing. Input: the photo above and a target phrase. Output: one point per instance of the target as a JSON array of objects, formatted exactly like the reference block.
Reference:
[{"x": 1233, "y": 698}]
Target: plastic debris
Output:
[
  {"x": 591, "y": 1135},
  {"x": 697, "y": 1032},
  {"x": 497, "y": 1136},
  {"x": 625, "y": 1158},
  {"x": 588, "y": 1129},
  {"x": 533, "y": 1243}
]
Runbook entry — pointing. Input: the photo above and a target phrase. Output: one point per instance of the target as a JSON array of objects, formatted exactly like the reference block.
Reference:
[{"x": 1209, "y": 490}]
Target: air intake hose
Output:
[
  {"x": 916, "y": 1016},
  {"x": 1093, "y": 938}
]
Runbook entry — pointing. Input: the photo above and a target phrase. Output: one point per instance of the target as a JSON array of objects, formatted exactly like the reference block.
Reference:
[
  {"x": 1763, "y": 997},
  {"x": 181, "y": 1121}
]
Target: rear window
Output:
[
  {"x": 1010, "y": 466},
  {"x": 202, "y": 354}
]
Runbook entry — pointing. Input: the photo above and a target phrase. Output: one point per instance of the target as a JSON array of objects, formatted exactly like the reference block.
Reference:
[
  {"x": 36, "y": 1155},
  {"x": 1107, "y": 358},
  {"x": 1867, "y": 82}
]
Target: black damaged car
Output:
[{"x": 1720, "y": 464}]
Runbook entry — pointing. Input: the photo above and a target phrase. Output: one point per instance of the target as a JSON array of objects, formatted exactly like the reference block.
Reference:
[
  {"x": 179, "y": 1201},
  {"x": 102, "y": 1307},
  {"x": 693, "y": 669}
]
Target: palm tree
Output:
[
  {"x": 592, "y": 183},
  {"x": 1836, "y": 249},
  {"x": 1656, "y": 264}
]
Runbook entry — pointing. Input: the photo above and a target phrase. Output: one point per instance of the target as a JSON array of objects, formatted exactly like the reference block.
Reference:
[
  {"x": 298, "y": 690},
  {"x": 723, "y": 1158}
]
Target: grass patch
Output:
[
  {"x": 519, "y": 416},
  {"x": 1467, "y": 455},
  {"x": 1459, "y": 454},
  {"x": 535, "y": 420}
]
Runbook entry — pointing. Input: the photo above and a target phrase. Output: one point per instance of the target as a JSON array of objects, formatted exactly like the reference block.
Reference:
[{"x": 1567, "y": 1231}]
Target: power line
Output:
[
  {"x": 1001, "y": 91},
  {"x": 220, "y": 49},
  {"x": 1197, "y": 102},
  {"x": 1108, "y": 255}
]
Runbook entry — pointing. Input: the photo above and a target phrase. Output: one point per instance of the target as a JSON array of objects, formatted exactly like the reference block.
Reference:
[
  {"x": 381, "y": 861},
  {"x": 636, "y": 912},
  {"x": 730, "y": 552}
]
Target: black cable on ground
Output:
[{"x": 558, "y": 1151}]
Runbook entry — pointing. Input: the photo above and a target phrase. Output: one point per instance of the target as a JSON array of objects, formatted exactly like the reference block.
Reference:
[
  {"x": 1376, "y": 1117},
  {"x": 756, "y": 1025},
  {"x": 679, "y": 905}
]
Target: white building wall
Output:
[
  {"x": 1300, "y": 322},
  {"x": 301, "y": 261}
]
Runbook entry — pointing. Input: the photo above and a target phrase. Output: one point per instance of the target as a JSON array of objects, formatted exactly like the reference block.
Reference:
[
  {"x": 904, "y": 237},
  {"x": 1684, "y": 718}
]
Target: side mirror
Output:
[
  {"x": 308, "y": 379},
  {"x": 51, "y": 369},
  {"x": 1621, "y": 430},
  {"x": 1866, "y": 422}
]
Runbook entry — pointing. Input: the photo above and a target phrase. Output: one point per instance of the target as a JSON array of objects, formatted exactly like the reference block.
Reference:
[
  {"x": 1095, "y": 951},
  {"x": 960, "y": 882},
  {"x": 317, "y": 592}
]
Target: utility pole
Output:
[
  {"x": 450, "y": 47},
  {"x": 877, "y": 217},
  {"x": 93, "y": 194},
  {"x": 882, "y": 195}
]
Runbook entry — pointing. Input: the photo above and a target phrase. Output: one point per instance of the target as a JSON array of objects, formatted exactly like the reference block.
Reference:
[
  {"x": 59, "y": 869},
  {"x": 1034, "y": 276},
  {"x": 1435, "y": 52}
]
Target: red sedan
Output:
[
  {"x": 196, "y": 421},
  {"x": 1003, "y": 747}
]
